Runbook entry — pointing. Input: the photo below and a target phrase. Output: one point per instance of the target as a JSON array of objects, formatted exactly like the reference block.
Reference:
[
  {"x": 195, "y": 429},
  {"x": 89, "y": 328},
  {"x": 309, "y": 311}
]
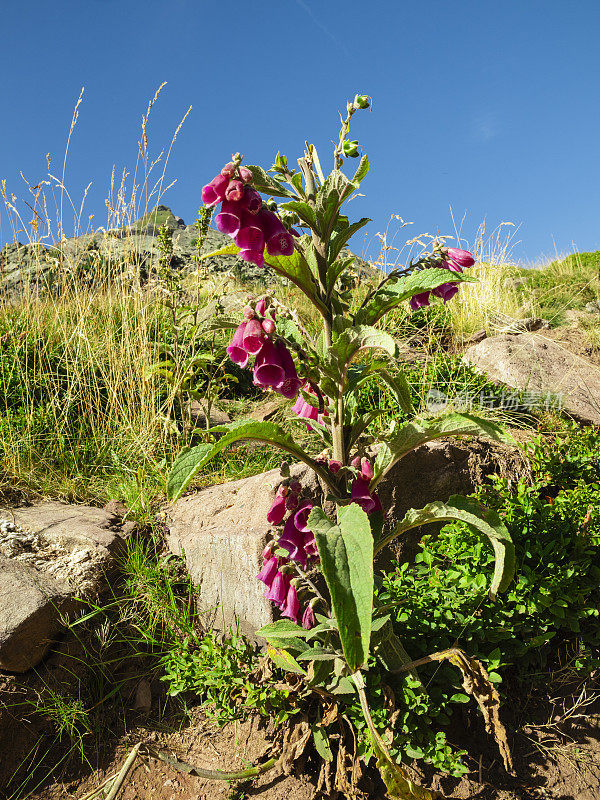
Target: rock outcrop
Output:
[
  {"x": 52, "y": 557},
  {"x": 544, "y": 369}
]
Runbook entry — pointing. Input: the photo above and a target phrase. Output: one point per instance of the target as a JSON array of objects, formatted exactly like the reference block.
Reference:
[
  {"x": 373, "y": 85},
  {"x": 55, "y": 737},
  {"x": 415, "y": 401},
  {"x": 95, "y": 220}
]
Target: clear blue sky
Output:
[{"x": 490, "y": 108}]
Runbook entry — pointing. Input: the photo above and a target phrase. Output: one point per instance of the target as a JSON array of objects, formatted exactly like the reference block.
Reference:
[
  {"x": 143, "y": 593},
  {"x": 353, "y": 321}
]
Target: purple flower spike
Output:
[
  {"x": 278, "y": 591},
  {"x": 277, "y": 511},
  {"x": 446, "y": 291},
  {"x": 250, "y": 235},
  {"x": 291, "y": 605},
  {"x": 308, "y": 618},
  {"x": 268, "y": 572},
  {"x": 253, "y": 256},
  {"x": 463, "y": 258},
  {"x": 290, "y": 386},
  {"x": 254, "y": 337},
  {"x": 268, "y": 370},
  {"x": 419, "y": 300},
  {"x": 236, "y": 351},
  {"x": 229, "y": 220}
]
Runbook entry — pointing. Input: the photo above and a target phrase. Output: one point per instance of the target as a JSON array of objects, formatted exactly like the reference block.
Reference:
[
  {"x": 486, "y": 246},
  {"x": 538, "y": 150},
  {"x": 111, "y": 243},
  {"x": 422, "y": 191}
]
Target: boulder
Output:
[
  {"x": 221, "y": 531},
  {"x": 548, "y": 372},
  {"x": 52, "y": 556}
]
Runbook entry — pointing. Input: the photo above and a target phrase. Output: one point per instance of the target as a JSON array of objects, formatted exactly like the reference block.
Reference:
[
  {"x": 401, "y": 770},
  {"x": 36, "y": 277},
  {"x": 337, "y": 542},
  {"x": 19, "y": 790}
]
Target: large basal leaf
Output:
[
  {"x": 346, "y": 552},
  {"x": 264, "y": 183},
  {"x": 482, "y": 521},
  {"x": 403, "y": 288},
  {"x": 418, "y": 432},
  {"x": 190, "y": 461},
  {"x": 351, "y": 342}
]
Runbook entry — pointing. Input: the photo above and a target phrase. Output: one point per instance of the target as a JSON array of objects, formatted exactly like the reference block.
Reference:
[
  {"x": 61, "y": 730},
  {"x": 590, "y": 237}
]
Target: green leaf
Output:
[
  {"x": 317, "y": 654},
  {"x": 281, "y": 629},
  {"x": 321, "y": 741},
  {"x": 351, "y": 342},
  {"x": 190, "y": 461},
  {"x": 228, "y": 250},
  {"x": 329, "y": 199},
  {"x": 305, "y": 211},
  {"x": 359, "y": 175},
  {"x": 399, "y": 388},
  {"x": 296, "y": 269},
  {"x": 418, "y": 432},
  {"x": 346, "y": 552},
  {"x": 482, "y": 521},
  {"x": 339, "y": 238},
  {"x": 284, "y": 660},
  {"x": 403, "y": 288},
  {"x": 264, "y": 183},
  {"x": 335, "y": 269}
]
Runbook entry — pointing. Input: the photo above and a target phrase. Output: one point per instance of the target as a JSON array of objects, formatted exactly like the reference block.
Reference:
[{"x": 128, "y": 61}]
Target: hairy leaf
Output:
[
  {"x": 351, "y": 342},
  {"x": 346, "y": 552},
  {"x": 340, "y": 237},
  {"x": 359, "y": 175},
  {"x": 482, "y": 521},
  {"x": 264, "y": 183},
  {"x": 190, "y": 461},
  {"x": 284, "y": 660},
  {"x": 305, "y": 211}
]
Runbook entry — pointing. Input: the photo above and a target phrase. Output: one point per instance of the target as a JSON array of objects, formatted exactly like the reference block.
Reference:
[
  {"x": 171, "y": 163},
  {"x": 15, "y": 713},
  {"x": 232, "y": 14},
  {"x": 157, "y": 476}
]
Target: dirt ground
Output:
[{"x": 556, "y": 754}]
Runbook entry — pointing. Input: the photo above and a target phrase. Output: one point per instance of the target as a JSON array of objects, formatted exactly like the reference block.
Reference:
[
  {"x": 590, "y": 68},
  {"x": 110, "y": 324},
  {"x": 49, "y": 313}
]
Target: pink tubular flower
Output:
[
  {"x": 419, "y": 300},
  {"x": 236, "y": 351},
  {"x": 360, "y": 494},
  {"x": 305, "y": 410},
  {"x": 277, "y": 592},
  {"x": 446, "y": 291},
  {"x": 261, "y": 307},
  {"x": 278, "y": 240},
  {"x": 291, "y": 608},
  {"x": 251, "y": 200},
  {"x": 228, "y": 169},
  {"x": 462, "y": 258},
  {"x": 334, "y": 466},
  {"x": 292, "y": 540},
  {"x": 229, "y": 220},
  {"x": 301, "y": 516},
  {"x": 268, "y": 369},
  {"x": 235, "y": 191},
  {"x": 277, "y": 511},
  {"x": 214, "y": 191},
  {"x": 290, "y": 385},
  {"x": 253, "y": 256},
  {"x": 367, "y": 470},
  {"x": 254, "y": 337},
  {"x": 451, "y": 266},
  {"x": 308, "y": 618},
  {"x": 250, "y": 235},
  {"x": 268, "y": 571}
]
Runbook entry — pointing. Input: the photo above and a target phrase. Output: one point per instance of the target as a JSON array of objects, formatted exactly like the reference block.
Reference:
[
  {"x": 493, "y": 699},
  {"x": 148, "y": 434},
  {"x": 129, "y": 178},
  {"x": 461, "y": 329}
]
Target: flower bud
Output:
[
  {"x": 292, "y": 502},
  {"x": 355, "y": 462},
  {"x": 361, "y": 101},
  {"x": 284, "y": 469},
  {"x": 228, "y": 170},
  {"x": 334, "y": 466},
  {"x": 295, "y": 487},
  {"x": 268, "y": 326},
  {"x": 248, "y": 312},
  {"x": 245, "y": 175},
  {"x": 350, "y": 149},
  {"x": 235, "y": 191}
]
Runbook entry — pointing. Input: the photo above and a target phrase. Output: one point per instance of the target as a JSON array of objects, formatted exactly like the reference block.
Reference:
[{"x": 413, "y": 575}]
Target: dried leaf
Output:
[
  {"x": 331, "y": 712},
  {"x": 295, "y": 739}
]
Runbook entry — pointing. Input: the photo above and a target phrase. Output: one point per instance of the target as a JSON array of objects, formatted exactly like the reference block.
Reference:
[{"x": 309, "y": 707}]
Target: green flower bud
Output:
[
  {"x": 362, "y": 101},
  {"x": 350, "y": 149}
]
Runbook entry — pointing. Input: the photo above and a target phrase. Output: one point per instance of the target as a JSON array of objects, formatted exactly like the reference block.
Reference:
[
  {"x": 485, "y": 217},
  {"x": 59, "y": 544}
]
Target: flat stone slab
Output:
[
  {"x": 532, "y": 363},
  {"x": 52, "y": 556},
  {"x": 221, "y": 531}
]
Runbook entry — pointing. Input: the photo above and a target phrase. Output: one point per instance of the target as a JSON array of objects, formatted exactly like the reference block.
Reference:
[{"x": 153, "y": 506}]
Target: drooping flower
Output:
[
  {"x": 334, "y": 466},
  {"x": 446, "y": 291},
  {"x": 277, "y": 511},
  {"x": 254, "y": 337},
  {"x": 229, "y": 219},
  {"x": 277, "y": 592},
  {"x": 253, "y": 256},
  {"x": 292, "y": 606},
  {"x": 268, "y": 571},
  {"x": 419, "y": 300},
  {"x": 308, "y": 618},
  {"x": 292, "y": 540},
  {"x": 245, "y": 175},
  {"x": 236, "y": 351},
  {"x": 301, "y": 516},
  {"x": 462, "y": 258},
  {"x": 228, "y": 169},
  {"x": 278, "y": 240},
  {"x": 214, "y": 191},
  {"x": 251, "y": 200},
  {"x": 359, "y": 491},
  {"x": 268, "y": 369},
  {"x": 305, "y": 410},
  {"x": 290, "y": 385},
  {"x": 250, "y": 235}
]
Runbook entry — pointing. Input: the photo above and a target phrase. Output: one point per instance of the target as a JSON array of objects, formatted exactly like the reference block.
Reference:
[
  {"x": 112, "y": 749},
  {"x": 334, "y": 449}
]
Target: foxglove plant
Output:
[{"x": 341, "y": 627}]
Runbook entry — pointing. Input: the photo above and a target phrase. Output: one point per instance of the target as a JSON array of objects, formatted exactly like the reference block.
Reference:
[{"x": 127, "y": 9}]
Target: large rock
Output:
[
  {"x": 221, "y": 531},
  {"x": 541, "y": 367},
  {"x": 52, "y": 557}
]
